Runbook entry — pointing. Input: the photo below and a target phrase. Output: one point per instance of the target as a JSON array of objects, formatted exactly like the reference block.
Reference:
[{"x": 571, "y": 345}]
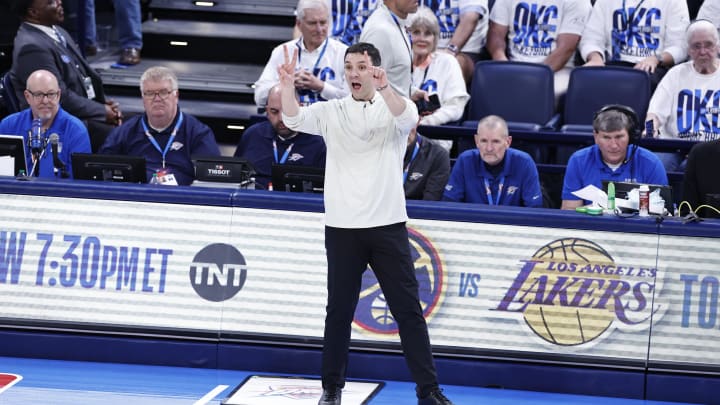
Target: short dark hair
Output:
[
  {"x": 21, "y": 7},
  {"x": 362, "y": 47}
]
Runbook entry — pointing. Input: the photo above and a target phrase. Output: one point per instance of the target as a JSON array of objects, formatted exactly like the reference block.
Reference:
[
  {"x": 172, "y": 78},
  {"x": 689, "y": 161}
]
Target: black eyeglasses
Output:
[
  {"x": 164, "y": 93},
  {"x": 39, "y": 95}
]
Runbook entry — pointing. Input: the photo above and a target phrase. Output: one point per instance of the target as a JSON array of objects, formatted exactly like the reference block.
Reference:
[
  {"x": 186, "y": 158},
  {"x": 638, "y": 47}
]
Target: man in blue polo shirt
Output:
[
  {"x": 494, "y": 173},
  {"x": 612, "y": 158},
  {"x": 271, "y": 142}
]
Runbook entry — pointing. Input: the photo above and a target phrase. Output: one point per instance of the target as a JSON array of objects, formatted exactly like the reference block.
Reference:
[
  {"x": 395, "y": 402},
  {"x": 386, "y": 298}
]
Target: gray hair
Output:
[
  {"x": 424, "y": 18},
  {"x": 702, "y": 26},
  {"x": 492, "y": 123},
  {"x": 310, "y": 5},
  {"x": 612, "y": 120},
  {"x": 158, "y": 74}
]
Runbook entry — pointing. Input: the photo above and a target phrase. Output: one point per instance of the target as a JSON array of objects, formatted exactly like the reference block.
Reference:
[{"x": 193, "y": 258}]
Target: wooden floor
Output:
[{"x": 59, "y": 382}]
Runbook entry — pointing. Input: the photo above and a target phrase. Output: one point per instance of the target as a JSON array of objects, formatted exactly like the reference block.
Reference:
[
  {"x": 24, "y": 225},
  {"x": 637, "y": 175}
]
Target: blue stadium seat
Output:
[
  {"x": 7, "y": 92},
  {"x": 521, "y": 93},
  {"x": 590, "y": 88}
]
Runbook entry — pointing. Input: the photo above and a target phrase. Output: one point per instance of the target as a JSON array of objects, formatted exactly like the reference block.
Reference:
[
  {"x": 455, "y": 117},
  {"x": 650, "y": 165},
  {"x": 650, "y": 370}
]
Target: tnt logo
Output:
[
  {"x": 372, "y": 313},
  {"x": 218, "y": 272},
  {"x": 571, "y": 292}
]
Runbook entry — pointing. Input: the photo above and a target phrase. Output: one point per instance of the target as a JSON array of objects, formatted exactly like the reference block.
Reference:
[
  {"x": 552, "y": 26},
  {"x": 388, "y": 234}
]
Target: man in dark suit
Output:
[{"x": 40, "y": 43}]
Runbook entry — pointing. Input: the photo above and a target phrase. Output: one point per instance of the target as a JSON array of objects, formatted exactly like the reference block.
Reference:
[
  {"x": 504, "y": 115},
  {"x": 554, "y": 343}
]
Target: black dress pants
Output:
[{"x": 387, "y": 250}]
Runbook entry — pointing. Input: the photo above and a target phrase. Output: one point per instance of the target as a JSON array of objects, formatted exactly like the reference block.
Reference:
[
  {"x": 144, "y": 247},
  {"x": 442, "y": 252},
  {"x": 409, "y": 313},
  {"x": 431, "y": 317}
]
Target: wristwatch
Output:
[{"x": 453, "y": 48}]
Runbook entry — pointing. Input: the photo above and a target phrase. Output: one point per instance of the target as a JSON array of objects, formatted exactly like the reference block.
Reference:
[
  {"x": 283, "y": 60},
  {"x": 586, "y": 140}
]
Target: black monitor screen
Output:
[
  {"x": 297, "y": 178},
  {"x": 14, "y": 146},
  {"x": 120, "y": 168}
]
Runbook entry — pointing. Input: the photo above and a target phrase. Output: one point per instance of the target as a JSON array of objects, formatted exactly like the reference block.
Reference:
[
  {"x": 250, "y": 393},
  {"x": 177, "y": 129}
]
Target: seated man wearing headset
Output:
[{"x": 613, "y": 157}]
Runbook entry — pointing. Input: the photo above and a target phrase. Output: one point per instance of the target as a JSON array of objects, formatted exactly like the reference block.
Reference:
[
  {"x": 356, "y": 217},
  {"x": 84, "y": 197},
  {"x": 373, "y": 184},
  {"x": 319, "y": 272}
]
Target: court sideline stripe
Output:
[{"x": 211, "y": 395}]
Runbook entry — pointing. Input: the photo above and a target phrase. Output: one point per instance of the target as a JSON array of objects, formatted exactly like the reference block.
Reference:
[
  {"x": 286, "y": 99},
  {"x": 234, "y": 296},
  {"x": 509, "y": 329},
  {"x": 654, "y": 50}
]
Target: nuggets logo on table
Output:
[
  {"x": 572, "y": 291},
  {"x": 372, "y": 313}
]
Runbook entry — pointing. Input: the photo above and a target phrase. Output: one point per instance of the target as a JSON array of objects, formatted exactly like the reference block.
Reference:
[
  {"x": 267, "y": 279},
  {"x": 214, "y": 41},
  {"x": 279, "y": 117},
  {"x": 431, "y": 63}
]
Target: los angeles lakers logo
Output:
[
  {"x": 571, "y": 292},
  {"x": 372, "y": 313}
]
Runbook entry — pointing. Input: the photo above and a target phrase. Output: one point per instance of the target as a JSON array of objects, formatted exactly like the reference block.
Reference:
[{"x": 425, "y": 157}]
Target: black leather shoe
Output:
[
  {"x": 330, "y": 397},
  {"x": 130, "y": 56},
  {"x": 436, "y": 397}
]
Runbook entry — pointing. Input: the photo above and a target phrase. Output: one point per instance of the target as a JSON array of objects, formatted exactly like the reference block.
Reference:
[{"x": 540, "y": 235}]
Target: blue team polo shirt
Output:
[
  {"x": 519, "y": 178},
  {"x": 586, "y": 167}
]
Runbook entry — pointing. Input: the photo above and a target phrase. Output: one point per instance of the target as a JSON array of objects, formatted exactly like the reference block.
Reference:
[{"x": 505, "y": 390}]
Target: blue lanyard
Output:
[
  {"x": 317, "y": 62},
  {"x": 169, "y": 142},
  {"x": 414, "y": 154},
  {"x": 406, "y": 39},
  {"x": 284, "y": 156},
  {"x": 489, "y": 192}
]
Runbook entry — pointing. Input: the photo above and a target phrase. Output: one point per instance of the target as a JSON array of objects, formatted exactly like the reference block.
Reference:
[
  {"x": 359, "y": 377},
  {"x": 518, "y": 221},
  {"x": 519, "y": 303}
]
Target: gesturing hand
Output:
[
  {"x": 378, "y": 73},
  {"x": 286, "y": 70}
]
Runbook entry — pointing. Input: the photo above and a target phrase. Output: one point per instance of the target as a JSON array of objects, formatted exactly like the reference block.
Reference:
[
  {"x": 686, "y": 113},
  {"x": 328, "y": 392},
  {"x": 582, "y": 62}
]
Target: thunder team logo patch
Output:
[
  {"x": 372, "y": 313},
  {"x": 572, "y": 291}
]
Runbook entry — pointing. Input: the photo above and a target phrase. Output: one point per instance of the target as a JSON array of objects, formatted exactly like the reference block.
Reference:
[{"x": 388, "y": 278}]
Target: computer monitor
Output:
[
  {"x": 118, "y": 168},
  {"x": 14, "y": 147},
  {"x": 296, "y": 178},
  {"x": 622, "y": 188}
]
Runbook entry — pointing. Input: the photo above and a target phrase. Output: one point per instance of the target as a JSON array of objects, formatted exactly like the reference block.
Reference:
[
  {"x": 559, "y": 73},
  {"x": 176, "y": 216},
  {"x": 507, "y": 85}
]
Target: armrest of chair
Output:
[
  {"x": 554, "y": 123},
  {"x": 577, "y": 128}
]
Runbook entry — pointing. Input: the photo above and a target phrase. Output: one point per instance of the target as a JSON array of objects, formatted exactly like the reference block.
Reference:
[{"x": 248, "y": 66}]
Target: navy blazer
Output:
[{"x": 35, "y": 50}]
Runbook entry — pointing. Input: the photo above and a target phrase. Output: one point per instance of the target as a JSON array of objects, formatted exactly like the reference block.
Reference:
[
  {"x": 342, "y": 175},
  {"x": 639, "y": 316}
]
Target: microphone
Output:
[
  {"x": 54, "y": 140},
  {"x": 35, "y": 141}
]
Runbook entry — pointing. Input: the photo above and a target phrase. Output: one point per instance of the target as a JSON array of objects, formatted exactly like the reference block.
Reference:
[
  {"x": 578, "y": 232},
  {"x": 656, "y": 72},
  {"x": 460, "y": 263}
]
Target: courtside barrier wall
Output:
[{"x": 628, "y": 301}]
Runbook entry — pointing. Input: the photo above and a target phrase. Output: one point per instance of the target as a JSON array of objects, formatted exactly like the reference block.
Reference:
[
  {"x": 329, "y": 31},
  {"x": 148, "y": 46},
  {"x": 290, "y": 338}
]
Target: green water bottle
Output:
[{"x": 611, "y": 196}]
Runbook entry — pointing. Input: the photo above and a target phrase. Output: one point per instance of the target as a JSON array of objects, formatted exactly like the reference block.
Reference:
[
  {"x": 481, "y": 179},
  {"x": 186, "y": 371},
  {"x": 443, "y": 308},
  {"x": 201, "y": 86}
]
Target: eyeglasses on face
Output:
[
  {"x": 39, "y": 95},
  {"x": 163, "y": 94}
]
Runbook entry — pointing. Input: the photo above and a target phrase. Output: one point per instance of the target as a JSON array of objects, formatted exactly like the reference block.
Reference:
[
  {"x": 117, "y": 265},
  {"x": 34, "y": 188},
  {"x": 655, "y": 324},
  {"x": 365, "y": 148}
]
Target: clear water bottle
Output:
[{"x": 154, "y": 179}]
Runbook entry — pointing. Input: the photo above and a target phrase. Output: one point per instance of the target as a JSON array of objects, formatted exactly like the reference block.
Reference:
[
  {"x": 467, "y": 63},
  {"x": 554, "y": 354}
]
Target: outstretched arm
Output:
[{"x": 286, "y": 73}]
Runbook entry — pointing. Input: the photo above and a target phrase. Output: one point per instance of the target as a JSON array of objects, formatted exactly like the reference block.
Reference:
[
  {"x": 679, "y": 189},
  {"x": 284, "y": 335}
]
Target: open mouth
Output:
[{"x": 356, "y": 85}]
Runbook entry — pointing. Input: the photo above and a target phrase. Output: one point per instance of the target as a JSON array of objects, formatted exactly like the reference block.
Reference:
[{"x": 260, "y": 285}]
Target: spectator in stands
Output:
[
  {"x": 463, "y": 30},
  {"x": 164, "y": 135},
  {"x": 42, "y": 93},
  {"x": 542, "y": 31},
  {"x": 41, "y": 43},
  {"x": 645, "y": 35},
  {"x": 701, "y": 184},
  {"x": 271, "y": 142},
  {"x": 435, "y": 73},
  {"x": 320, "y": 59},
  {"x": 366, "y": 134},
  {"x": 348, "y": 18},
  {"x": 709, "y": 10},
  {"x": 386, "y": 30},
  {"x": 128, "y": 20},
  {"x": 613, "y": 157},
  {"x": 684, "y": 104},
  {"x": 494, "y": 173},
  {"x": 426, "y": 168}
]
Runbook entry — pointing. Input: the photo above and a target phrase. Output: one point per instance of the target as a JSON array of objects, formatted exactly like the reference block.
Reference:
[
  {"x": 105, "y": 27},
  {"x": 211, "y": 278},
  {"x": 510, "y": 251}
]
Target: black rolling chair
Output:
[{"x": 7, "y": 93}]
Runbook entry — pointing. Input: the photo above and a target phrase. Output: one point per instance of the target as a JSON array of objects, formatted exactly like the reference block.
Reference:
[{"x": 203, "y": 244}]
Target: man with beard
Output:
[{"x": 43, "y": 93}]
